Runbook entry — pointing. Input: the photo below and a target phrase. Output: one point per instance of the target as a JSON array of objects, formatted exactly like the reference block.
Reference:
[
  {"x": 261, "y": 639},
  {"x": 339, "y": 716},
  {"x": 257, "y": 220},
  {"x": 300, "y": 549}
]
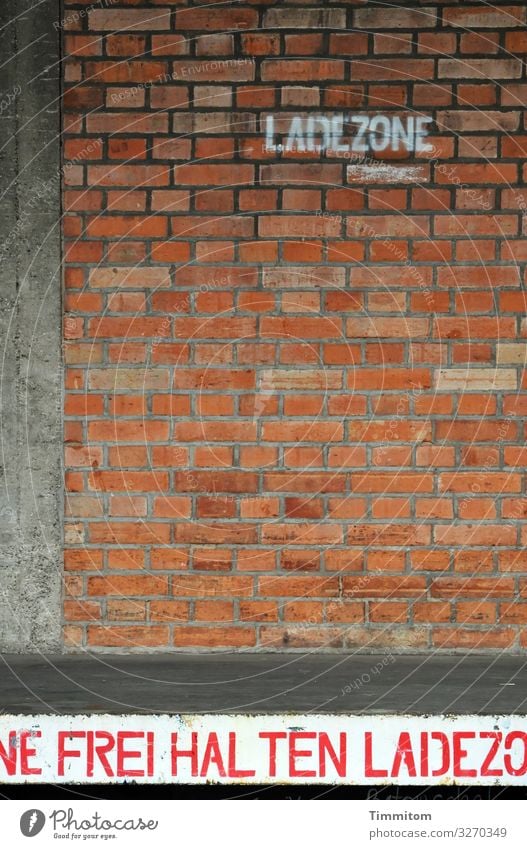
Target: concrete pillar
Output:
[{"x": 30, "y": 328}]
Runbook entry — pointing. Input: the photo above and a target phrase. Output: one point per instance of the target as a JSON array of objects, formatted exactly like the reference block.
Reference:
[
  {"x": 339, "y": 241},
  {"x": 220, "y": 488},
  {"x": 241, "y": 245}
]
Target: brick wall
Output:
[{"x": 294, "y": 378}]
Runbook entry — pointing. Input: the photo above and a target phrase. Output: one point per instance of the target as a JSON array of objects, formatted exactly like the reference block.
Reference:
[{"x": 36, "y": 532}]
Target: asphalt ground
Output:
[{"x": 263, "y": 683}]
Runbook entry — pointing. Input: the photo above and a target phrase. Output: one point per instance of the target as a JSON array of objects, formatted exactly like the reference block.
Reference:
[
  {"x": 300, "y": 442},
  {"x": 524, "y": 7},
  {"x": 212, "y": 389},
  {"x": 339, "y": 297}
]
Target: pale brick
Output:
[
  {"x": 304, "y": 18},
  {"x": 511, "y": 353},
  {"x": 212, "y": 96},
  {"x": 395, "y": 17},
  {"x": 475, "y": 378},
  {"x": 126, "y": 378},
  {"x": 497, "y": 69},
  {"x": 467, "y": 121},
  {"x": 304, "y": 277},
  {"x": 129, "y": 19},
  {"x": 140, "y": 278},
  {"x": 385, "y": 172},
  {"x": 481, "y": 16},
  {"x": 276, "y": 379}
]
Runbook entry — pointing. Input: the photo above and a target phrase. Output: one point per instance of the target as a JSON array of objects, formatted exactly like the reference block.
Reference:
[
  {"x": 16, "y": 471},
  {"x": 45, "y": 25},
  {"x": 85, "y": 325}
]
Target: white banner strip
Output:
[
  {"x": 357, "y": 823},
  {"x": 282, "y": 748}
]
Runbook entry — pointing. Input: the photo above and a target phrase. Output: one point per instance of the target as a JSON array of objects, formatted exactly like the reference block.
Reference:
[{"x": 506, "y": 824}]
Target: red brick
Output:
[
  {"x": 302, "y": 44},
  {"x": 258, "y": 611},
  {"x": 128, "y": 637},
  {"x": 129, "y": 533},
  {"x": 446, "y": 638},
  {"x": 431, "y": 611},
  {"x": 81, "y": 98},
  {"x": 135, "y": 226},
  {"x": 212, "y": 19},
  {"x": 127, "y": 122},
  {"x": 395, "y": 534},
  {"x": 214, "y": 637},
  {"x": 83, "y": 45},
  {"x": 83, "y": 611},
  {"x": 297, "y": 587},
  {"x": 125, "y": 45},
  {"x": 475, "y": 535},
  {"x": 125, "y": 72},
  {"x": 385, "y": 587},
  {"x": 129, "y": 175},
  {"x": 126, "y": 611},
  {"x": 128, "y": 585},
  {"x": 386, "y": 69}
]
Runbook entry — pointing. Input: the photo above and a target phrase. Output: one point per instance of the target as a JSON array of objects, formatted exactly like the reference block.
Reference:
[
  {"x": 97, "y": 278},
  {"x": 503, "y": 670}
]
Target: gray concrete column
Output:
[{"x": 30, "y": 327}]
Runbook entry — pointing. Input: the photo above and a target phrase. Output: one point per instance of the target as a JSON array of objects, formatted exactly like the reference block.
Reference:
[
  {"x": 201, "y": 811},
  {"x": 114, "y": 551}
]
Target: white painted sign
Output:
[
  {"x": 285, "y": 748},
  {"x": 340, "y": 134}
]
